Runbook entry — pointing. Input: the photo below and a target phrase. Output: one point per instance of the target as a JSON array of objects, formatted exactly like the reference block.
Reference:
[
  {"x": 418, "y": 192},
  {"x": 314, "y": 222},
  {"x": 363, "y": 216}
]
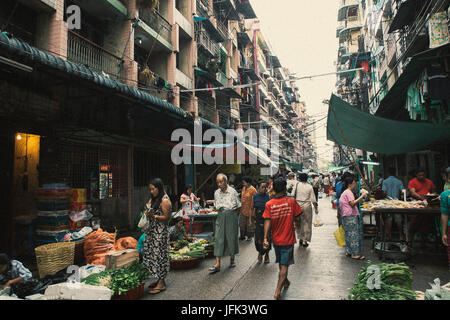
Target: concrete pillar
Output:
[
  {"x": 57, "y": 39},
  {"x": 176, "y": 92},
  {"x": 130, "y": 67}
]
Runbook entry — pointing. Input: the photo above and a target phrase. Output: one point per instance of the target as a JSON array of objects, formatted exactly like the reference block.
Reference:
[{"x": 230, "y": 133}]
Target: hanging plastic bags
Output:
[
  {"x": 340, "y": 236},
  {"x": 143, "y": 223},
  {"x": 317, "y": 221}
]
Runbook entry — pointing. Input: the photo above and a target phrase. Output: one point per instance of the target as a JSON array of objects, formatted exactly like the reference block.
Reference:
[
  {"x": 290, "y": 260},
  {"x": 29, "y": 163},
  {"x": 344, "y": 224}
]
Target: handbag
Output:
[
  {"x": 340, "y": 236},
  {"x": 143, "y": 222}
]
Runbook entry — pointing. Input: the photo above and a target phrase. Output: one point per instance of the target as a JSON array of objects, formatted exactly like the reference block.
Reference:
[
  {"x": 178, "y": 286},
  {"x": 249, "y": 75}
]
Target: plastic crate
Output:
[
  {"x": 55, "y": 221},
  {"x": 53, "y": 205},
  {"x": 197, "y": 227}
]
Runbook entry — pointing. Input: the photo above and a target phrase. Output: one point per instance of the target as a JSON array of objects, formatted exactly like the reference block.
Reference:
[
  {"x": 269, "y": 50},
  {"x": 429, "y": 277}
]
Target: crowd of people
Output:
[{"x": 272, "y": 213}]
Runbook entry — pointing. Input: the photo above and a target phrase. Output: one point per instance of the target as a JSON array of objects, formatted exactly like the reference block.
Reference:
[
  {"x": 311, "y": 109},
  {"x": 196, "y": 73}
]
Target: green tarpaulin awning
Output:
[
  {"x": 367, "y": 132},
  {"x": 294, "y": 165}
]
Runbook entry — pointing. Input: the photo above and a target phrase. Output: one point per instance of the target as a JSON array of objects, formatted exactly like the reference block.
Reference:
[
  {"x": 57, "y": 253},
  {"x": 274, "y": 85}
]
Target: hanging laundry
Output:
[
  {"x": 438, "y": 29},
  {"x": 438, "y": 82}
]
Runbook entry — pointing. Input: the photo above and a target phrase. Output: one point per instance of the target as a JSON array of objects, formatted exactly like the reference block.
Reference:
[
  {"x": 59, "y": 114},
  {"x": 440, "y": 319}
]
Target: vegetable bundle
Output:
[
  {"x": 120, "y": 280},
  {"x": 395, "y": 283}
]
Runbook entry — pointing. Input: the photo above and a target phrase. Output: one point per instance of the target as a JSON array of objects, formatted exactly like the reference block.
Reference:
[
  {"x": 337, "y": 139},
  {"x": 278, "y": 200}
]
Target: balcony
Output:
[
  {"x": 84, "y": 52},
  {"x": 38, "y": 5},
  {"x": 158, "y": 23},
  {"x": 222, "y": 29},
  {"x": 184, "y": 80},
  {"x": 227, "y": 6},
  {"x": 222, "y": 78},
  {"x": 203, "y": 9},
  {"x": 210, "y": 46}
]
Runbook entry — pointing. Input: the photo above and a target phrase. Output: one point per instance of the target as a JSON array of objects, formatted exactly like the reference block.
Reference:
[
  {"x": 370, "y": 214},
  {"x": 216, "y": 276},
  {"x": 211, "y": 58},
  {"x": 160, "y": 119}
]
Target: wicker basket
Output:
[
  {"x": 183, "y": 264},
  {"x": 54, "y": 257}
]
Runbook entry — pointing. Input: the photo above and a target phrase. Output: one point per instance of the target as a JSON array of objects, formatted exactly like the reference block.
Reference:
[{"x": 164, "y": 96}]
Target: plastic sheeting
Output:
[{"x": 367, "y": 132}]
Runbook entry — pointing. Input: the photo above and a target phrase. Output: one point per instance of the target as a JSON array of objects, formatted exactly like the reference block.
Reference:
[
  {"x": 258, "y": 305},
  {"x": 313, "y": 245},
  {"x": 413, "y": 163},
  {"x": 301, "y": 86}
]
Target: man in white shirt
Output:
[
  {"x": 291, "y": 184},
  {"x": 227, "y": 203}
]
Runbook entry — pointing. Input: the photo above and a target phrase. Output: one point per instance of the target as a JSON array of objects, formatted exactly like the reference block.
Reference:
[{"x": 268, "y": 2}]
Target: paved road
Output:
[{"x": 321, "y": 272}]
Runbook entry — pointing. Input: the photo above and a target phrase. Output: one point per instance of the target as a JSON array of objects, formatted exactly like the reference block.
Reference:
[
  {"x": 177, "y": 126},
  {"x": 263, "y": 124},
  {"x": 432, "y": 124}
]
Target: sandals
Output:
[
  {"x": 260, "y": 259},
  {"x": 213, "y": 270},
  {"x": 359, "y": 258},
  {"x": 156, "y": 291}
]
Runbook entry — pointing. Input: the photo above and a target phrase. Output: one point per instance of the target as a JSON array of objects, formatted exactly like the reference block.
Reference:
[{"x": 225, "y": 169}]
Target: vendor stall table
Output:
[
  {"x": 372, "y": 226},
  {"x": 203, "y": 218},
  {"x": 381, "y": 214}
]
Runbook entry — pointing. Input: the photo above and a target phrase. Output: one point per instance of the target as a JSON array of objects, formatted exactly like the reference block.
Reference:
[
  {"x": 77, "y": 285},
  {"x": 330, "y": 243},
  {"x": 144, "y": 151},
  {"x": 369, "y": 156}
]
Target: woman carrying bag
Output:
[
  {"x": 156, "y": 244},
  {"x": 351, "y": 220}
]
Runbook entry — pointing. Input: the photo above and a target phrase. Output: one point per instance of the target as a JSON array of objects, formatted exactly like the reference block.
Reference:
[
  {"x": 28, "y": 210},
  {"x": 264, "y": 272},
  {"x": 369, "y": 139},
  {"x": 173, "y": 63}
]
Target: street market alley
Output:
[{"x": 320, "y": 272}]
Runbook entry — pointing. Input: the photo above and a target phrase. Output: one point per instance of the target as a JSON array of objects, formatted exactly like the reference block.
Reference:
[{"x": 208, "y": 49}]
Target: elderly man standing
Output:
[{"x": 227, "y": 203}]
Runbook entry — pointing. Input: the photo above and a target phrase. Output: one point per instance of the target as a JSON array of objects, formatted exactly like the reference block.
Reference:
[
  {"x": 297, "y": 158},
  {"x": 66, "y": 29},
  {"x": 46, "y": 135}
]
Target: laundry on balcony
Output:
[{"x": 405, "y": 14}]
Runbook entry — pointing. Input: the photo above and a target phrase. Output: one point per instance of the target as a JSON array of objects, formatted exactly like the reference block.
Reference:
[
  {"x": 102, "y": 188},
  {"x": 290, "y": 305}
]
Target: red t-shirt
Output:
[
  {"x": 421, "y": 187},
  {"x": 281, "y": 213}
]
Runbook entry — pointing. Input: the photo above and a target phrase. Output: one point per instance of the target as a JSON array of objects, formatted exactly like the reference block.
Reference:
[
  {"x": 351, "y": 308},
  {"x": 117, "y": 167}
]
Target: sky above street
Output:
[{"x": 303, "y": 35}]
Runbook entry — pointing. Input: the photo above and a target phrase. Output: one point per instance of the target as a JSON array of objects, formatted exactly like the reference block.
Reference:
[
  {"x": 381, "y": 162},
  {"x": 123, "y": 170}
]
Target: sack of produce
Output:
[
  {"x": 340, "y": 236},
  {"x": 125, "y": 243},
  {"x": 97, "y": 245}
]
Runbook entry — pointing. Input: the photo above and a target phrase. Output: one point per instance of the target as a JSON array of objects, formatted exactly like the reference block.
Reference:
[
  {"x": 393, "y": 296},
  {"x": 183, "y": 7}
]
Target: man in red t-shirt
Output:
[
  {"x": 419, "y": 186},
  {"x": 280, "y": 214}
]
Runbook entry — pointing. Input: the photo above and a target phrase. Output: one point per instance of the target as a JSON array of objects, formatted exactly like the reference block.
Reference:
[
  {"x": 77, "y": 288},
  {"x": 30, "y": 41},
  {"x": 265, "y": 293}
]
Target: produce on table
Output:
[
  {"x": 193, "y": 250},
  {"x": 393, "y": 204},
  {"x": 395, "y": 283},
  {"x": 120, "y": 280},
  {"x": 180, "y": 244}
]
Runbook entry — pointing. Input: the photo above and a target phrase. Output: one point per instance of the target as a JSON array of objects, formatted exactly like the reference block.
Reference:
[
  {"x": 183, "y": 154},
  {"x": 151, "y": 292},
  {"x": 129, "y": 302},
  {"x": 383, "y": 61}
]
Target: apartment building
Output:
[
  {"x": 93, "y": 106},
  {"x": 406, "y": 45}
]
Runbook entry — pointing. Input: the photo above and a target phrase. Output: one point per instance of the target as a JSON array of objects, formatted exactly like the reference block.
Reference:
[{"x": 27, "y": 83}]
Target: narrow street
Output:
[{"x": 321, "y": 272}]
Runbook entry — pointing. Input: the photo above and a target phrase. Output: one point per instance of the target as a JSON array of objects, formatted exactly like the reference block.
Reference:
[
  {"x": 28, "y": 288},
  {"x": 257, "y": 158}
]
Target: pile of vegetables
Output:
[
  {"x": 120, "y": 280},
  {"x": 183, "y": 250},
  {"x": 395, "y": 284}
]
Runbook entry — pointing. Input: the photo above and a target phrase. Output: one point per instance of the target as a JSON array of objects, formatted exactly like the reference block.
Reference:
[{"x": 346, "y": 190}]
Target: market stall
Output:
[
  {"x": 382, "y": 208},
  {"x": 204, "y": 216}
]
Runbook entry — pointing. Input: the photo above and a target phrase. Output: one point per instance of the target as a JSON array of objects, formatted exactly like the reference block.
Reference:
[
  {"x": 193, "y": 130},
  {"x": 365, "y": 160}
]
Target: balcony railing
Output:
[
  {"x": 157, "y": 22},
  {"x": 222, "y": 29},
  {"x": 203, "y": 9},
  {"x": 204, "y": 40},
  {"x": 222, "y": 78},
  {"x": 84, "y": 52}
]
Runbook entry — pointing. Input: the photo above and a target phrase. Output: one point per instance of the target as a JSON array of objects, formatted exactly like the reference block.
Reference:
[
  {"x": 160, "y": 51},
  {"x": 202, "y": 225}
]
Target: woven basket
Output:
[{"x": 54, "y": 257}]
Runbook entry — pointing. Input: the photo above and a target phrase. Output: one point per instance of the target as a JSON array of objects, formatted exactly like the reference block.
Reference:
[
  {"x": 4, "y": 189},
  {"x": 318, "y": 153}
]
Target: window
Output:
[{"x": 352, "y": 13}]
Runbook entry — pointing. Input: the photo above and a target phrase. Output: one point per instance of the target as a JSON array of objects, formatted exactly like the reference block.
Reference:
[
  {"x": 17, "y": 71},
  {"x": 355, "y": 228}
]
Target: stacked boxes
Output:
[{"x": 53, "y": 213}]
